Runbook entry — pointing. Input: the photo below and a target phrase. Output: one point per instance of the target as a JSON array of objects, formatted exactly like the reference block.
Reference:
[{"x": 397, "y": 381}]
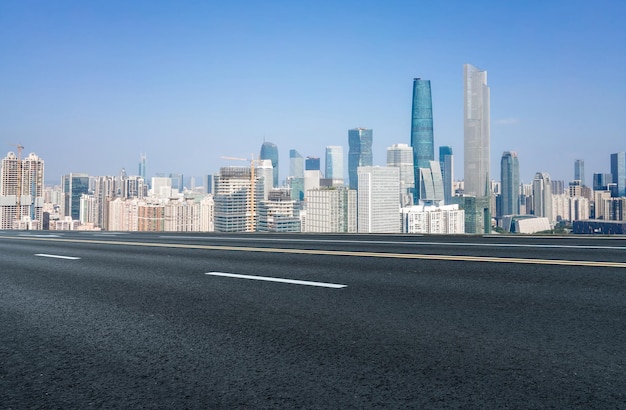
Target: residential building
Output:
[
  {"x": 429, "y": 219},
  {"x": 21, "y": 192}
]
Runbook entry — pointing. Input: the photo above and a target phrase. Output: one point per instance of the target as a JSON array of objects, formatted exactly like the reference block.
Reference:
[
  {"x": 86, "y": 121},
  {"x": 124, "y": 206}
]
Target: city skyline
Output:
[{"x": 106, "y": 82}]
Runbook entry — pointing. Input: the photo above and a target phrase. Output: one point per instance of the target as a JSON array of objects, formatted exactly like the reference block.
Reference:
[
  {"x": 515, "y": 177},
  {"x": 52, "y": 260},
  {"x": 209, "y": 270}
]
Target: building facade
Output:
[
  {"x": 378, "y": 200},
  {"x": 334, "y": 164},
  {"x": 21, "y": 192},
  {"x": 359, "y": 154},
  {"x": 270, "y": 151},
  {"x": 509, "y": 177},
  {"x": 331, "y": 209},
  {"x": 446, "y": 162}
]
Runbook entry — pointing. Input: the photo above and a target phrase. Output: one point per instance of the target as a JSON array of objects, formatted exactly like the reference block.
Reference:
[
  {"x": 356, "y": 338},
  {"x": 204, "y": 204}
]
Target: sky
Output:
[{"x": 90, "y": 85}]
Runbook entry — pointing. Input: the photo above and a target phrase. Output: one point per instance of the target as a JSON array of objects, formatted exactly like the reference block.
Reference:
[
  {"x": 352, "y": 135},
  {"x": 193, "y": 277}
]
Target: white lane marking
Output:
[
  {"x": 408, "y": 243},
  {"x": 281, "y": 280},
  {"x": 45, "y": 255}
]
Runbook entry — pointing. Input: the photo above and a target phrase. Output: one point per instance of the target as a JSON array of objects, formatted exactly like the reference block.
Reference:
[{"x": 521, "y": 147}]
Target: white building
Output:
[
  {"x": 334, "y": 165},
  {"x": 401, "y": 156},
  {"x": 278, "y": 213},
  {"x": 446, "y": 219},
  {"x": 331, "y": 210},
  {"x": 378, "y": 200},
  {"x": 542, "y": 196},
  {"x": 21, "y": 192}
]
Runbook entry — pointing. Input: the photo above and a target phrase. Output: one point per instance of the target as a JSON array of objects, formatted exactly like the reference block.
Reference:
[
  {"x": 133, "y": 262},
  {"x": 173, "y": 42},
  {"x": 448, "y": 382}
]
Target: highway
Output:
[{"x": 138, "y": 320}]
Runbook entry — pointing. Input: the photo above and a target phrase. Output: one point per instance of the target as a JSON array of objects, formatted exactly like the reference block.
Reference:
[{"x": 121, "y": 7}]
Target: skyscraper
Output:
[
  {"x": 542, "y": 196},
  {"x": 296, "y": 164},
  {"x": 74, "y": 185},
  {"x": 431, "y": 184},
  {"x": 446, "y": 162},
  {"x": 401, "y": 156},
  {"x": 579, "y": 171},
  {"x": 509, "y": 176},
  {"x": 422, "y": 139},
  {"x": 21, "y": 192},
  {"x": 270, "y": 151},
  {"x": 334, "y": 164},
  {"x": 476, "y": 132},
  {"x": 378, "y": 200},
  {"x": 142, "y": 166},
  {"x": 618, "y": 171},
  {"x": 312, "y": 164},
  {"x": 360, "y": 152}
]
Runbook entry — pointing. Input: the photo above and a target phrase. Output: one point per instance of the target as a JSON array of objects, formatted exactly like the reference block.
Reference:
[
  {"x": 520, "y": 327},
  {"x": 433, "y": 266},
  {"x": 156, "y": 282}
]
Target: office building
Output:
[
  {"x": 236, "y": 199},
  {"x": 378, "y": 200},
  {"x": 601, "y": 181},
  {"x": 331, "y": 210},
  {"x": 278, "y": 213},
  {"x": 401, "y": 156},
  {"x": 334, "y": 165},
  {"x": 270, "y": 151},
  {"x": 296, "y": 164},
  {"x": 618, "y": 173},
  {"x": 542, "y": 196},
  {"x": 422, "y": 139},
  {"x": 142, "y": 166},
  {"x": 312, "y": 164},
  {"x": 476, "y": 132},
  {"x": 74, "y": 186},
  {"x": 431, "y": 184},
  {"x": 207, "y": 184},
  {"x": 446, "y": 163},
  {"x": 21, "y": 192},
  {"x": 359, "y": 154},
  {"x": 579, "y": 171},
  {"x": 509, "y": 177}
]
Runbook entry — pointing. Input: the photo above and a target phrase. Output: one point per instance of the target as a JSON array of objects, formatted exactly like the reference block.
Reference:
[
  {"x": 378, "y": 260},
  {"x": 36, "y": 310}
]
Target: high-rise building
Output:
[
  {"x": 579, "y": 171},
  {"x": 331, "y": 210},
  {"x": 542, "y": 196},
  {"x": 296, "y": 164},
  {"x": 334, "y": 164},
  {"x": 270, "y": 151},
  {"x": 21, "y": 192},
  {"x": 618, "y": 172},
  {"x": 601, "y": 181},
  {"x": 378, "y": 200},
  {"x": 278, "y": 213},
  {"x": 446, "y": 162},
  {"x": 509, "y": 176},
  {"x": 476, "y": 132},
  {"x": 207, "y": 184},
  {"x": 142, "y": 166},
  {"x": 359, "y": 154},
  {"x": 422, "y": 139},
  {"x": 74, "y": 185},
  {"x": 233, "y": 204},
  {"x": 401, "y": 156},
  {"x": 177, "y": 182},
  {"x": 312, "y": 164},
  {"x": 431, "y": 184}
]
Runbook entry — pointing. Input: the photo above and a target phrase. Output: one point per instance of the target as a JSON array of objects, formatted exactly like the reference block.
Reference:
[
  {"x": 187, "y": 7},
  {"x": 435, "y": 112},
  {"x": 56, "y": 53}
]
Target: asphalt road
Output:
[{"x": 151, "y": 321}]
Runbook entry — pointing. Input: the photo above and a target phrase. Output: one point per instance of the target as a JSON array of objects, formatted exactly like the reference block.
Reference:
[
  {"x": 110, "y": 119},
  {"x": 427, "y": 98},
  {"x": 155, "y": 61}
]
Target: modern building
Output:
[
  {"x": 509, "y": 177},
  {"x": 334, "y": 165},
  {"x": 278, "y": 213},
  {"x": 359, "y": 154},
  {"x": 428, "y": 219},
  {"x": 476, "y": 126},
  {"x": 579, "y": 171},
  {"x": 207, "y": 184},
  {"x": 542, "y": 196},
  {"x": 446, "y": 163},
  {"x": 142, "y": 166},
  {"x": 331, "y": 209},
  {"x": 21, "y": 192},
  {"x": 431, "y": 184},
  {"x": 312, "y": 164},
  {"x": 422, "y": 138},
  {"x": 296, "y": 164},
  {"x": 601, "y": 181},
  {"x": 270, "y": 151},
  {"x": 74, "y": 186},
  {"x": 618, "y": 172},
  {"x": 378, "y": 200},
  {"x": 401, "y": 156},
  {"x": 235, "y": 209}
]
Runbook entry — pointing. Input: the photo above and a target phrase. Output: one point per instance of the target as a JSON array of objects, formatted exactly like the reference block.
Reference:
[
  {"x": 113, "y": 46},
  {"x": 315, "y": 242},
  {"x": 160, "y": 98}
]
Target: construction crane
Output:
[
  {"x": 251, "y": 212},
  {"x": 18, "y": 214}
]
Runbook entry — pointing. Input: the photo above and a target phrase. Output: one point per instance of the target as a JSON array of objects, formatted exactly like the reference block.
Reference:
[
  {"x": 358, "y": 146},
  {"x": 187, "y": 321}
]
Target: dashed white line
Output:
[
  {"x": 45, "y": 255},
  {"x": 281, "y": 280}
]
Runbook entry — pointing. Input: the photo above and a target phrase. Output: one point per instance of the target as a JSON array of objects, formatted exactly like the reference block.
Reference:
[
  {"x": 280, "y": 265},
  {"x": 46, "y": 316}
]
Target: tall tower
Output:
[
  {"x": 74, "y": 186},
  {"x": 360, "y": 153},
  {"x": 142, "y": 166},
  {"x": 509, "y": 176},
  {"x": 422, "y": 139},
  {"x": 334, "y": 164},
  {"x": 579, "y": 171},
  {"x": 296, "y": 164},
  {"x": 476, "y": 132},
  {"x": 401, "y": 156},
  {"x": 23, "y": 177},
  {"x": 270, "y": 151},
  {"x": 542, "y": 195},
  {"x": 446, "y": 163},
  {"x": 618, "y": 172}
]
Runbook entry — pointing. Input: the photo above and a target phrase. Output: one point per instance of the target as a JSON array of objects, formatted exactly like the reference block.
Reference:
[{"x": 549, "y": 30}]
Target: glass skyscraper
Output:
[
  {"x": 334, "y": 164},
  {"x": 296, "y": 164},
  {"x": 618, "y": 171},
  {"x": 579, "y": 171},
  {"x": 422, "y": 139},
  {"x": 360, "y": 153},
  {"x": 509, "y": 176},
  {"x": 476, "y": 132},
  {"x": 270, "y": 151},
  {"x": 446, "y": 162},
  {"x": 74, "y": 186}
]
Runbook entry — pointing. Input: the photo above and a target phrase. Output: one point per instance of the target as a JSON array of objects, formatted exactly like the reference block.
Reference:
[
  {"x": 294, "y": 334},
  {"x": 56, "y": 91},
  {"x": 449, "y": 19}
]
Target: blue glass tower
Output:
[
  {"x": 359, "y": 154},
  {"x": 509, "y": 175},
  {"x": 446, "y": 161},
  {"x": 618, "y": 171},
  {"x": 270, "y": 151},
  {"x": 422, "y": 138}
]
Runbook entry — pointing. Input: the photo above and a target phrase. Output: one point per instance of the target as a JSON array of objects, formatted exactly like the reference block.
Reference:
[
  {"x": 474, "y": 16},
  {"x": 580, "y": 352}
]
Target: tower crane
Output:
[{"x": 251, "y": 214}]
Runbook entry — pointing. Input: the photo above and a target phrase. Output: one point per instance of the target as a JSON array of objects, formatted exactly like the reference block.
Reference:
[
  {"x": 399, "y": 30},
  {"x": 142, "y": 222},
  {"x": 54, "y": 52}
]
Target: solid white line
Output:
[
  {"x": 281, "y": 280},
  {"x": 45, "y": 255}
]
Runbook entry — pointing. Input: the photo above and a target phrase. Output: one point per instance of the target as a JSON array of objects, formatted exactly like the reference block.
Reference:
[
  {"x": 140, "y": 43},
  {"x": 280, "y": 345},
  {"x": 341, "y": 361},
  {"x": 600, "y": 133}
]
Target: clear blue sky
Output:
[{"x": 89, "y": 85}]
